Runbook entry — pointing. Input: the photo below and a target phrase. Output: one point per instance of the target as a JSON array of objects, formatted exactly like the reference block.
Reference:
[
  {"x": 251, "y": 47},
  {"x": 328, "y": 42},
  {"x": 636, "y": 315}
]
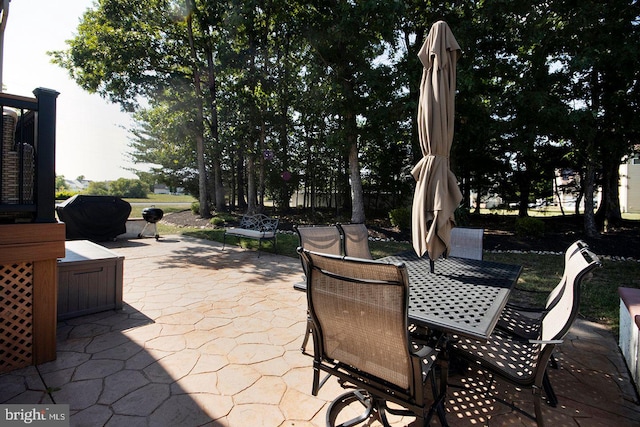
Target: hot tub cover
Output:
[{"x": 95, "y": 218}]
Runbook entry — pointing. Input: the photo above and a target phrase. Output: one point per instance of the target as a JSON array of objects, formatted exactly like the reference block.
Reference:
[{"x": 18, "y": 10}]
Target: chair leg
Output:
[
  {"x": 548, "y": 390},
  {"x": 306, "y": 336},
  {"x": 315, "y": 387},
  {"x": 345, "y": 400},
  {"x": 553, "y": 362},
  {"x": 536, "y": 404}
]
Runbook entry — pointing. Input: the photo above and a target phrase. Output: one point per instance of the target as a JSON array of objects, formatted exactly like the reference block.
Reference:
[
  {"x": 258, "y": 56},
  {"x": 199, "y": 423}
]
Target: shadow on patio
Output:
[{"x": 212, "y": 337}]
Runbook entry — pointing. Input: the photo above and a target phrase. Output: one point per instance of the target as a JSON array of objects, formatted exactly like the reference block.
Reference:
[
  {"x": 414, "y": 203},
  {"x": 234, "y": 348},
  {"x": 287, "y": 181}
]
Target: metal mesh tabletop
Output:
[{"x": 463, "y": 296}]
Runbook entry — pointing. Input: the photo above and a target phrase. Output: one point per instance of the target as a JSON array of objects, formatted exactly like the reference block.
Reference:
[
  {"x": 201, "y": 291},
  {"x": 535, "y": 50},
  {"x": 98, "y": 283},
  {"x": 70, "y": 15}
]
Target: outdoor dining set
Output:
[{"x": 391, "y": 330}]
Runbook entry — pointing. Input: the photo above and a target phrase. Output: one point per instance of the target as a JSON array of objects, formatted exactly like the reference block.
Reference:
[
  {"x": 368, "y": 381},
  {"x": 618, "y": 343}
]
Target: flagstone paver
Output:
[{"x": 212, "y": 338}]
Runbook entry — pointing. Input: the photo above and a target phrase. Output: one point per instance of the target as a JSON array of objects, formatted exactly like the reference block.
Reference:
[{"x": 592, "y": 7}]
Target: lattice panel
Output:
[{"x": 16, "y": 314}]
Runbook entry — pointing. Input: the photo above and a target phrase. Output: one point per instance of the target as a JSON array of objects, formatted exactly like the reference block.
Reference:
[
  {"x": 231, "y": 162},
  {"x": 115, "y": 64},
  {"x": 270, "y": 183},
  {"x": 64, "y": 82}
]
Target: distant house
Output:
[
  {"x": 164, "y": 189},
  {"x": 565, "y": 188},
  {"x": 567, "y": 181},
  {"x": 161, "y": 189},
  {"x": 77, "y": 184},
  {"x": 630, "y": 185}
]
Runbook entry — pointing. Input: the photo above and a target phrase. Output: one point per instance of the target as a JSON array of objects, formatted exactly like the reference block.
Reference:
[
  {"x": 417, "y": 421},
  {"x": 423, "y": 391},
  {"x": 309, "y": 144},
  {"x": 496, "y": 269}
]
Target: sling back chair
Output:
[
  {"x": 325, "y": 239},
  {"x": 466, "y": 243},
  {"x": 359, "y": 316},
  {"x": 523, "y": 362},
  {"x": 318, "y": 238},
  {"x": 355, "y": 240},
  {"x": 525, "y": 321}
]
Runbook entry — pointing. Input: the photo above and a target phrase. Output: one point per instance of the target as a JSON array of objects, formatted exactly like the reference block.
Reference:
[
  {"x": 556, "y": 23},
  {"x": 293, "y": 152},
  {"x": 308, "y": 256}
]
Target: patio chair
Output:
[
  {"x": 359, "y": 315},
  {"x": 355, "y": 240},
  {"x": 317, "y": 238},
  {"x": 523, "y": 362},
  {"x": 325, "y": 239},
  {"x": 525, "y": 321},
  {"x": 466, "y": 243}
]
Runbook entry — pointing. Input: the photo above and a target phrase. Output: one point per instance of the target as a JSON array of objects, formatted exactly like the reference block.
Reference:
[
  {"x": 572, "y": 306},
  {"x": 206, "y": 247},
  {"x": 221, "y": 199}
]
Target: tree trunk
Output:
[
  {"x": 524, "y": 187},
  {"x": 556, "y": 191},
  {"x": 262, "y": 174},
  {"x": 590, "y": 228},
  {"x": 240, "y": 174},
  {"x": 202, "y": 171},
  {"x": 609, "y": 210},
  {"x": 251, "y": 186},
  {"x": 357, "y": 195}
]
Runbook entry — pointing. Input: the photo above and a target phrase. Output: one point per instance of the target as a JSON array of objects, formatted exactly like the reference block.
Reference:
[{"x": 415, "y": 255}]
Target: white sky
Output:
[{"x": 90, "y": 139}]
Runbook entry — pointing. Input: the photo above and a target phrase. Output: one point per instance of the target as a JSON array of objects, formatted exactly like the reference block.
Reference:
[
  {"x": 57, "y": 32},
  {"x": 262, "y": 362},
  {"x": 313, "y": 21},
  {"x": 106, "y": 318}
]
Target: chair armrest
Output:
[
  {"x": 300, "y": 286},
  {"x": 546, "y": 342}
]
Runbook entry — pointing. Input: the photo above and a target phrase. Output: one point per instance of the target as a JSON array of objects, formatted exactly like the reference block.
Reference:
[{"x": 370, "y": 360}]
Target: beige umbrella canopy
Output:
[{"x": 437, "y": 194}]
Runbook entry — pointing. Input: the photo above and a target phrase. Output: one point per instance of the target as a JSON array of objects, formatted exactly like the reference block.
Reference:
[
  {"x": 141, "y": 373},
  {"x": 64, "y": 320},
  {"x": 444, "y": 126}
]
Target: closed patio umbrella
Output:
[{"x": 437, "y": 194}]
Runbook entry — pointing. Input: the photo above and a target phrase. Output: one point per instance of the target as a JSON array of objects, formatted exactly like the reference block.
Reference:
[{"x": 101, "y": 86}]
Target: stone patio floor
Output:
[{"x": 212, "y": 338}]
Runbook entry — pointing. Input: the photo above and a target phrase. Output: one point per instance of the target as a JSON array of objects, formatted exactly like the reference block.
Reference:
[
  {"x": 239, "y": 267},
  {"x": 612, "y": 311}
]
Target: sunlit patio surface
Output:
[{"x": 212, "y": 338}]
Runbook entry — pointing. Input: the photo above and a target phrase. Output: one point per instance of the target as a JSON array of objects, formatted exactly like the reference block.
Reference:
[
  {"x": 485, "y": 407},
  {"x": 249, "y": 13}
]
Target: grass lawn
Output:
[{"x": 166, "y": 202}]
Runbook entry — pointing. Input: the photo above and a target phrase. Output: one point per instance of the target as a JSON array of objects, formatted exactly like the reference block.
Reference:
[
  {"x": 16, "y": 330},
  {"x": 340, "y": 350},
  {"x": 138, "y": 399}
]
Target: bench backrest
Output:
[{"x": 259, "y": 222}]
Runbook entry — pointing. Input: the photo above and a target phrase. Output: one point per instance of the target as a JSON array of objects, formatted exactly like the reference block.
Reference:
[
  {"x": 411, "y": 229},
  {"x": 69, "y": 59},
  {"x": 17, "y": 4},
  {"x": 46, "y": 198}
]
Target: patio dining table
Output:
[{"x": 463, "y": 296}]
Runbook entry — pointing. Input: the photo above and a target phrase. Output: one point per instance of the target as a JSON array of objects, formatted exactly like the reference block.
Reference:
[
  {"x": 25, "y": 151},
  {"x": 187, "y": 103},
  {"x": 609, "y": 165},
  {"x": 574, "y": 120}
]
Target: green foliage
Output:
[
  {"x": 64, "y": 194},
  {"x": 97, "y": 188},
  {"x": 61, "y": 184},
  {"x": 401, "y": 218},
  {"x": 461, "y": 216},
  {"x": 529, "y": 227},
  {"x": 217, "y": 221},
  {"x": 540, "y": 86},
  {"x": 195, "y": 208},
  {"x": 123, "y": 187}
]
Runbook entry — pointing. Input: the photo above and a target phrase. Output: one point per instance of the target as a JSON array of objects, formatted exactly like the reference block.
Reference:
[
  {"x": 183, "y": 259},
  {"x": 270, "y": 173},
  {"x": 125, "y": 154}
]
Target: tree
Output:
[
  {"x": 347, "y": 38},
  {"x": 123, "y": 187},
  {"x": 601, "y": 62},
  {"x": 97, "y": 188},
  {"x": 239, "y": 95},
  {"x": 61, "y": 183},
  {"x": 126, "y": 50}
]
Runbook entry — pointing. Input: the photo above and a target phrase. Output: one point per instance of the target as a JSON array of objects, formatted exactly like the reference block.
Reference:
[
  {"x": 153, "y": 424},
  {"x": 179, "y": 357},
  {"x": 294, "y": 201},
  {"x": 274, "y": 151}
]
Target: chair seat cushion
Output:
[{"x": 256, "y": 234}]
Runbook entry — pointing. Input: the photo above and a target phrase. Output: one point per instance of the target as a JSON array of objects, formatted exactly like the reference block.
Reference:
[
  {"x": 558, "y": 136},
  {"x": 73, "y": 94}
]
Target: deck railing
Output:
[{"x": 27, "y": 158}]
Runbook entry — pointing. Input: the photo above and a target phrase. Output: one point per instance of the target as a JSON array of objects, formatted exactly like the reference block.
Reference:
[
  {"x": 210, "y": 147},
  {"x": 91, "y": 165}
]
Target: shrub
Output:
[
  {"x": 401, "y": 218},
  {"x": 123, "y": 187},
  {"x": 64, "y": 194},
  {"x": 195, "y": 208},
  {"x": 529, "y": 227},
  {"x": 97, "y": 188},
  {"x": 461, "y": 216},
  {"x": 216, "y": 221}
]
